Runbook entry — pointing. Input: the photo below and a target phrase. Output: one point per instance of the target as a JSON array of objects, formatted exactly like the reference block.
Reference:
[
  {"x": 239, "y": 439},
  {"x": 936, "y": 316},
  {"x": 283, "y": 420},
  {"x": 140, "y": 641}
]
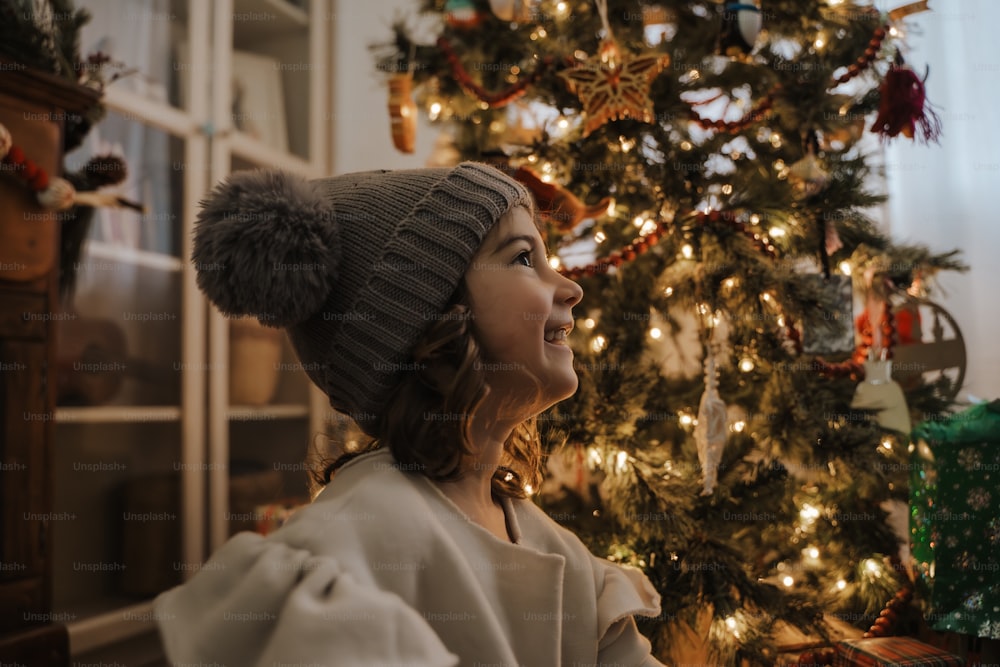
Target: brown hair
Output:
[{"x": 425, "y": 422}]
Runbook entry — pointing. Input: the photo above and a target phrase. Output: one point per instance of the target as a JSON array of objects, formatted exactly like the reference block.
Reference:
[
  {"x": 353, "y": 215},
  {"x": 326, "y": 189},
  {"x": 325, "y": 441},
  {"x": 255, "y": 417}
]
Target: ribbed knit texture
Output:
[{"x": 407, "y": 238}]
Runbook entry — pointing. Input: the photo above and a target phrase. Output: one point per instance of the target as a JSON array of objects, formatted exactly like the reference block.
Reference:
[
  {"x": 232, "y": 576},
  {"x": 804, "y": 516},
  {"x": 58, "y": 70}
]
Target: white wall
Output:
[
  {"x": 940, "y": 196},
  {"x": 361, "y": 133},
  {"x": 944, "y": 195}
]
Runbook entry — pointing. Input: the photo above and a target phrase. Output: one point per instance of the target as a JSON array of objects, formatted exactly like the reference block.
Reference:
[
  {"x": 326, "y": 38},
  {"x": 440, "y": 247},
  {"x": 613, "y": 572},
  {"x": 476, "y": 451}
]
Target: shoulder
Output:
[{"x": 372, "y": 502}]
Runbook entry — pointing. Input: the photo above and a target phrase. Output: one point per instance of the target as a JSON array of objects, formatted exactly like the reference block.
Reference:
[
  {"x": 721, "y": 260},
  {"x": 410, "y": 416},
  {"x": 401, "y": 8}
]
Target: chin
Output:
[{"x": 559, "y": 390}]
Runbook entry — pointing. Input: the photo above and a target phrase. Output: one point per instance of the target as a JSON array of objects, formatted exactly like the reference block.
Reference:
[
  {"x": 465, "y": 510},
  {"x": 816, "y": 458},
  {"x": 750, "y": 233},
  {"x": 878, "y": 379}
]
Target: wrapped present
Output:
[
  {"x": 892, "y": 651},
  {"x": 955, "y": 519}
]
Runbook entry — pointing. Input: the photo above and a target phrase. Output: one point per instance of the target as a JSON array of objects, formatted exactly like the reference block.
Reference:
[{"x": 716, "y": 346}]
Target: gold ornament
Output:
[
  {"x": 808, "y": 175},
  {"x": 614, "y": 85},
  {"x": 516, "y": 11},
  {"x": 403, "y": 112}
]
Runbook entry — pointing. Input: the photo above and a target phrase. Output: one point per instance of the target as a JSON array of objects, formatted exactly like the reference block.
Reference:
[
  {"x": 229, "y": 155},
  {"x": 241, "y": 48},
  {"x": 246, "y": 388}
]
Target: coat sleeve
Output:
[
  {"x": 262, "y": 602},
  {"x": 622, "y": 593}
]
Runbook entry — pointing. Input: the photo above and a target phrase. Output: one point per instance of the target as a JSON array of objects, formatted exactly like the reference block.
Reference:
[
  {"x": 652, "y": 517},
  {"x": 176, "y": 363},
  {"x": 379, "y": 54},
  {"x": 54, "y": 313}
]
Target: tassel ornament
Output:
[{"x": 903, "y": 107}]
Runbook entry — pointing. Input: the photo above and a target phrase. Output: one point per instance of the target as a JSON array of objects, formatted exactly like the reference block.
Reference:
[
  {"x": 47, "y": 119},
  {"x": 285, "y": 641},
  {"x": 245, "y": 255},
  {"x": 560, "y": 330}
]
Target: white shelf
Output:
[
  {"x": 113, "y": 626},
  {"x": 118, "y": 414},
  {"x": 252, "y": 150},
  {"x": 151, "y": 112},
  {"x": 247, "y": 413},
  {"x": 144, "y": 258},
  {"x": 258, "y": 18}
]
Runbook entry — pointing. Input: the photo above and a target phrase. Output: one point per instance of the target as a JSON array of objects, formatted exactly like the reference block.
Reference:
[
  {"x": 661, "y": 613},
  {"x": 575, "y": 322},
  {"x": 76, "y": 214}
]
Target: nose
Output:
[{"x": 568, "y": 291}]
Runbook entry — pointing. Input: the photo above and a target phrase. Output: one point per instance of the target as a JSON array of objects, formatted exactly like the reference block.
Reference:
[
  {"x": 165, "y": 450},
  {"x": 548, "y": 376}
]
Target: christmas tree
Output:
[{"x": 704, "y": 173}]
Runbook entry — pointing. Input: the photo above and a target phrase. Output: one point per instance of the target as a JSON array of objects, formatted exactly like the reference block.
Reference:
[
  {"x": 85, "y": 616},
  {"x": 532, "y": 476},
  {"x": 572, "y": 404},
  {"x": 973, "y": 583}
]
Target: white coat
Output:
[{"x": 383, "y": 569}]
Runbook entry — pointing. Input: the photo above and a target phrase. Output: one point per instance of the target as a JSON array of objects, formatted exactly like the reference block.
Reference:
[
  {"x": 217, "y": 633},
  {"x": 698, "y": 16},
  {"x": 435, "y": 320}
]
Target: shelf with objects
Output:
[
  {"x": 176, "y": 426},
  {"x": 129, "y": 453},
  {"x": 262, "y": 410}
]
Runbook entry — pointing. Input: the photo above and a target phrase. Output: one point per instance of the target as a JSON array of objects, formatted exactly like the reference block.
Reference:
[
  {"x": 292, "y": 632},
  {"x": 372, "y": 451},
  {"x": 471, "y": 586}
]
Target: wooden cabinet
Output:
[
  {"x": 128, "y": 456},
  {"x": 33, "y": 107}
]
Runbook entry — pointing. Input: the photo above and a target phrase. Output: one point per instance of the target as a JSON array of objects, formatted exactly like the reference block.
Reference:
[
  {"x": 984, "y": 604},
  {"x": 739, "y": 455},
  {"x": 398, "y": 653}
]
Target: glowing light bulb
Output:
[
  {"x": 594, "y": 456},
  {"x": 600, "y": 237},
  {"x": 727, "y": 189},
  {"x": 788, "y": 581},
  {"x": 841, "y": 585},
  {"x": 562, "y": 124},
  {"x": 845, "y": 267},
  {"x": 729, "y": 283},
  {"x": 686, "y": 145},
  {"x": 776, "y": 232},
  {"x": 812, "y": 552},
  {"x": 529, "y": 489},
  {"x": 739, "y": 427},
  {"x": 685, "y": 419},
  {"x": 434, "y": 111},
  {"x": 589, "y": 323},
  {"x": 621, "y": 461},
  {"x": 887, "y": 444},
  {"x": 655, "y": 333},
  {"x": 687, "y": 251},
  {"x": 638, "y": 221},
  {"x": 730, "y": 622},
  {"x": 819, "y": 43},
  {"x": 562, "y": 9},
  {"x": 599, "y": 343},
  {"x": 754, "y": 219},
  {"x": 746, "y": 364},
  {"x": 668, "y": 291},
  {"x": 808, "y": 513},
  {"x": 554, "y": 262}
]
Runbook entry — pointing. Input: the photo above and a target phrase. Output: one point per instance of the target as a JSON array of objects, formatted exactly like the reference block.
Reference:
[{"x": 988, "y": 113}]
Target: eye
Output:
[{"x": 524, "y": 258}]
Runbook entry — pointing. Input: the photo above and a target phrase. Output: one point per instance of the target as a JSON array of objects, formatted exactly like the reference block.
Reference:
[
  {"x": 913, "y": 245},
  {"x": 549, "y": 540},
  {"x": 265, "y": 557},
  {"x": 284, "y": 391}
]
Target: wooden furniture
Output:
[
  {"x": 159, "y": 466},
  {"x": 33, "y": 107},
  {"x": 939, "y": 353}
]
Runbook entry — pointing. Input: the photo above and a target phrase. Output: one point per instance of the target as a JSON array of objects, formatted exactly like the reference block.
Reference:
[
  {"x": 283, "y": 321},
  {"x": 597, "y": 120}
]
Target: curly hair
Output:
[{"x": 425, "y": 423}]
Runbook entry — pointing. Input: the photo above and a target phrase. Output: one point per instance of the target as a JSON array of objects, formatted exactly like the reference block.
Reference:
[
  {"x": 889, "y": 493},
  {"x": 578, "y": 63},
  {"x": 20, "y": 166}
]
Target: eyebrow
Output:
[{"x": 514, "y": 238}]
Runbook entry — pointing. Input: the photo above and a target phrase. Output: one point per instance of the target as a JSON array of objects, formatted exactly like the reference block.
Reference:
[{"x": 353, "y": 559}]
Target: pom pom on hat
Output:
[{"x": 267, "y": 244}]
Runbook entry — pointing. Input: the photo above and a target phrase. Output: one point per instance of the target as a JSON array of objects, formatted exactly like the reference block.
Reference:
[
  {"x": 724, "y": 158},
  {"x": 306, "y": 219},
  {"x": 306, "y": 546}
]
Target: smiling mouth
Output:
[{"x": 558, "y": 336}]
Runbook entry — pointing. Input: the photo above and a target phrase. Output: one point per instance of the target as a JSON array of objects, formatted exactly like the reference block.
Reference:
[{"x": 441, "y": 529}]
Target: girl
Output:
[{"x": 422, "y": 304}]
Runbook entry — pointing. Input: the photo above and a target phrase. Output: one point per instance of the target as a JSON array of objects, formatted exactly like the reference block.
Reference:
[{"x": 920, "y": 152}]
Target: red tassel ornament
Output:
[{"x": 903, "y": 108}]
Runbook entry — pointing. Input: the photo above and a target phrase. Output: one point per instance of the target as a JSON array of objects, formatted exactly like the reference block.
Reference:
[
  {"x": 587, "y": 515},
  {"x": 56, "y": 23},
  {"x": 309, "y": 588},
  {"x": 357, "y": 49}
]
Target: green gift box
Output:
[{"x": 955, "y": 519}]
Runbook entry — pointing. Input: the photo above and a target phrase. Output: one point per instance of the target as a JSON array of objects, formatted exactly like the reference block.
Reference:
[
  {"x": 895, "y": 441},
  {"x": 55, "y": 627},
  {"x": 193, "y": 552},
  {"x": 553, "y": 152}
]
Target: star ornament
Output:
[{"x": 614, "y": 85}]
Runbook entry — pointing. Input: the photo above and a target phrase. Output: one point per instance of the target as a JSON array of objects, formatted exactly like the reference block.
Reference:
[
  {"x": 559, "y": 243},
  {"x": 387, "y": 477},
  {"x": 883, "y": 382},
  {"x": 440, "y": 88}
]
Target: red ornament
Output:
[{"x": 903, "y": 107}]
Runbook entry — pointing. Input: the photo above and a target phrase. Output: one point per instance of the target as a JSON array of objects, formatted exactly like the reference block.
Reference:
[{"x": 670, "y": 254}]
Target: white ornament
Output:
[
  {"x": 58, "y": 196},
  {"x": 710, "y": 433}
]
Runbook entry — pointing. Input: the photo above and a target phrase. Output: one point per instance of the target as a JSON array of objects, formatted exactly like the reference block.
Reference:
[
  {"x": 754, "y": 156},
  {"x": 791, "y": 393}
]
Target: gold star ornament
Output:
[{"x": 614, "y": 85}]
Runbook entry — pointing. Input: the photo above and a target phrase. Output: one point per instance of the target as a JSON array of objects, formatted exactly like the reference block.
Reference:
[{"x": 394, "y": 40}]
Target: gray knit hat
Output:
[{"x": 356, "y": 267}]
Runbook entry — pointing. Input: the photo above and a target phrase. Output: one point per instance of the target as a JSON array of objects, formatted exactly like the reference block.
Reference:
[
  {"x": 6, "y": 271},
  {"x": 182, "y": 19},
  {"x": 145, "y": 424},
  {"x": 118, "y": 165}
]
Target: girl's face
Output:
[{"x": 522, "y": 313}]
